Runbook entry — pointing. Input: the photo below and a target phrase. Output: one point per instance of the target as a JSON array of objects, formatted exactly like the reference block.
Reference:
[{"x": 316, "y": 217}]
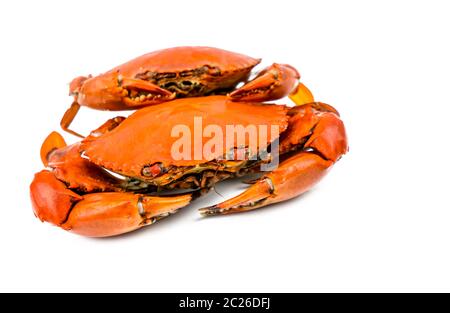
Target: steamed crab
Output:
[
  {"x": 110, "y": 183},
  {"x": 179, "y": 72}
]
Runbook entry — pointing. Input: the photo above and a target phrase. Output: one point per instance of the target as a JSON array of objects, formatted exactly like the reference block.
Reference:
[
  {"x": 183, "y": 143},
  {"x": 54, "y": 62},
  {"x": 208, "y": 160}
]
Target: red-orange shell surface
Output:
[
  {"x": 179, "y": 59},
  {"x": 145, "y": 138}
]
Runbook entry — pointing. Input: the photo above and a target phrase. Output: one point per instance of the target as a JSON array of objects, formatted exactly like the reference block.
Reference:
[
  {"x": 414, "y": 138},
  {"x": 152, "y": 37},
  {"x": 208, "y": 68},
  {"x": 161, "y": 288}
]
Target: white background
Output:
[{"x": 379, "y": 221}]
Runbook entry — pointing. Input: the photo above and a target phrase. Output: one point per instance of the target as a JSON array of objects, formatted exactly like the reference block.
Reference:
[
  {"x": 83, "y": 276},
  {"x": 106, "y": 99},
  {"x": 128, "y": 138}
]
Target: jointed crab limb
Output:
[
  {"x": 275, "y": 82},
  {"x": 111, "y": 214},
  {"x": 108, "y": 126},
  {"x": 134, "y": 93},
  {"x": 68, "y": 118},
  {"x": 301, "y": 95},
  {"x": 53, "y": 142},
  {"x": 292, "y": 178},
  {"x": 77, "y": 172},
  {"x": 51, "y": 199},
  {"x": 323, "y": 144},
  {"x": 98, "y": 214},
  {"x": 138, "y": 93},
  {"x": 82, "y": 197},
  {"x": 72, "y": 111}
]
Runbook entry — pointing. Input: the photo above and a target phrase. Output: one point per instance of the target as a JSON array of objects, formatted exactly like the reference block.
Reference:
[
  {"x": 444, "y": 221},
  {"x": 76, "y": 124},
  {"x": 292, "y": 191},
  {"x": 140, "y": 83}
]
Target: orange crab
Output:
[
  {"x": 178, "y": 72},
  {"x": 108, "y": 183}
]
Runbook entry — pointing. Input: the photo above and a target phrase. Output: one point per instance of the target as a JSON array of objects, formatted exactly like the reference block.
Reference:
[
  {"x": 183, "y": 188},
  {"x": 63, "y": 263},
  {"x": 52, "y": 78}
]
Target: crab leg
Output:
[
  {"x": 301, "y": 95},
  {"x": 72, "y": 111},
  {"x": 98, "y": 214},
  {"x": 108, "y": 126},
  {"x": 68, "y": 118},
  {"x": 275, "y": 82},
  {"x": 324, "y": 143}
]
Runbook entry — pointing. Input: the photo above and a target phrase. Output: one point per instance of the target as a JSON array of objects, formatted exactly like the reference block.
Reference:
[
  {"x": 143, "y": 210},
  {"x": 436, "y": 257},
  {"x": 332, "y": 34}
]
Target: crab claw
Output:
[
  {"x": 275, "y": 82},
  {"x": 98, "y": 214},
  {"x": 324, "y": 139},
  {"x": 142, "y": 93},
  {"x": 116, "y": 213},
  {"x": 51, "y": 199},
  {"x": 294, "y": 176}
]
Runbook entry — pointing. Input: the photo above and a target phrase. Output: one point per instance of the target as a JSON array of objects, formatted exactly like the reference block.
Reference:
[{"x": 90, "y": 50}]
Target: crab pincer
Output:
[
  {"x": 274, "y": 82},
  {"x": 83, "y": 198},
  {"x": 319, "y": 139},
  {"x": 101, "y": 214}
]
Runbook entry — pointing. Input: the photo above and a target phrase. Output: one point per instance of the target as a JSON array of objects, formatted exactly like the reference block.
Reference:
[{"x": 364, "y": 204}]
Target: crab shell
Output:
[
  {"x": 146, "y": 137},
  {"x": 180, "y": 71}
]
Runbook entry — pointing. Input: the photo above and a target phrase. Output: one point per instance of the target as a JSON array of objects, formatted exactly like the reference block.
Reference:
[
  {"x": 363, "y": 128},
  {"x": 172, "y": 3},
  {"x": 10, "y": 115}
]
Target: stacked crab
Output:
[{"x": 113, "y": 181}]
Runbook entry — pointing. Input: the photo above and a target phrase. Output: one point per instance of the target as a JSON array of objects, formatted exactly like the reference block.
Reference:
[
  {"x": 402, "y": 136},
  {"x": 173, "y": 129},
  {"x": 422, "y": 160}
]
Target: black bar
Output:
[{"x": 216, "y": 302}]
